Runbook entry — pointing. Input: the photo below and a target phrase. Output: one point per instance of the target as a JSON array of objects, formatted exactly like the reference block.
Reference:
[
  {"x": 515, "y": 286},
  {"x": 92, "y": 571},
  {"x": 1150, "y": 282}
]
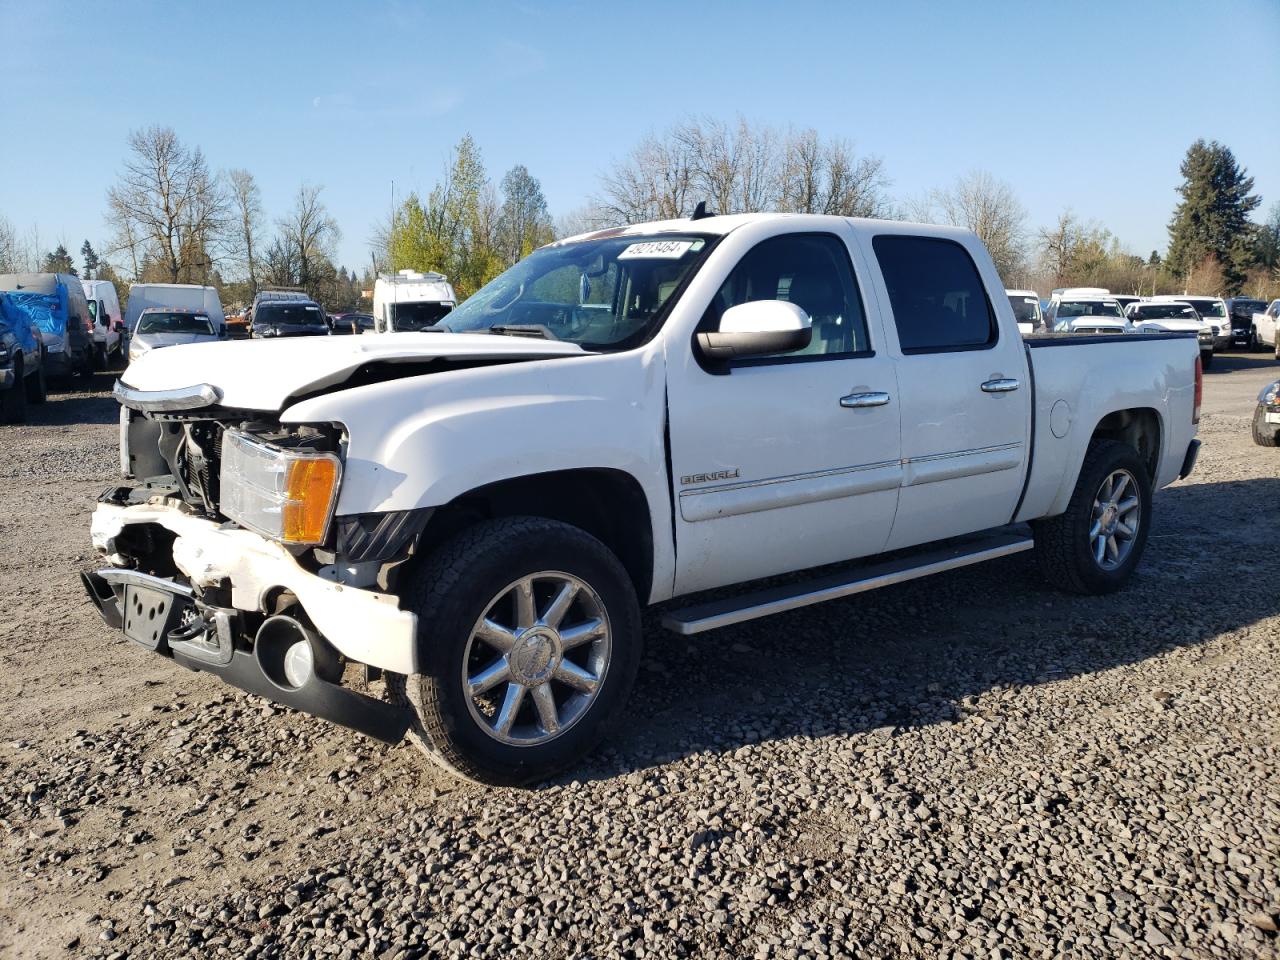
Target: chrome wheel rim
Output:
[
  {"x": 536, "y": 659},
  {"x": 1117, "y": 512}
]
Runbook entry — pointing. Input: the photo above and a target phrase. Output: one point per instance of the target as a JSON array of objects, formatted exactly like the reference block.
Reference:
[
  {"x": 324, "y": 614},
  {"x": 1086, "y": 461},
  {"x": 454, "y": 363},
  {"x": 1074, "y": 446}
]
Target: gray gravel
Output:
[{"x": 970, "y": 766}]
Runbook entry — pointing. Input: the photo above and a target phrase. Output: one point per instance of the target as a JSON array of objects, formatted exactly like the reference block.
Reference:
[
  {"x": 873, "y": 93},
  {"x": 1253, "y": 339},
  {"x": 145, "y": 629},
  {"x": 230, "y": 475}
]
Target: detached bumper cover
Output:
[{"x": 364, "y": 626}]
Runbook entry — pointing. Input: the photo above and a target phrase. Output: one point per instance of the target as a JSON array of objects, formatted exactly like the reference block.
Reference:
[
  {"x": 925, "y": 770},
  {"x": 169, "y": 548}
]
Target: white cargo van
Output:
[
  {"x": 409, "y": 301},
  {"x": 180, "y": 296},
  {"x": 108, "y": 324}
]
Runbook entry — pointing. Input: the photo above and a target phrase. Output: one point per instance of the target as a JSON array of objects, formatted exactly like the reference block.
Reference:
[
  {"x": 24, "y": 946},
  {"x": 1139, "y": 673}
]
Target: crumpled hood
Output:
[{"x": 265, "y": 374}]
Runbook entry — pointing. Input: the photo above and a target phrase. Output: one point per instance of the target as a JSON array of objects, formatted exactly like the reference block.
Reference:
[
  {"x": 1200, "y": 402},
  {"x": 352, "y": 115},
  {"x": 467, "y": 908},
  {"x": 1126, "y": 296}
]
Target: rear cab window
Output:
[{"x": 938, "y": 300}]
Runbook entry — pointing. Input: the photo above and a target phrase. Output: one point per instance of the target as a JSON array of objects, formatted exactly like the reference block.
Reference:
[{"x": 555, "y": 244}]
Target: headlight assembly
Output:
[{"x": 288, "y": 495}]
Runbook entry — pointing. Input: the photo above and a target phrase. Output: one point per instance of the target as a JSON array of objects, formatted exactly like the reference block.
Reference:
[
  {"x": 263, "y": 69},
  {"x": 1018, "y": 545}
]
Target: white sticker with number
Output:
[{"x": 656, "y": 250}]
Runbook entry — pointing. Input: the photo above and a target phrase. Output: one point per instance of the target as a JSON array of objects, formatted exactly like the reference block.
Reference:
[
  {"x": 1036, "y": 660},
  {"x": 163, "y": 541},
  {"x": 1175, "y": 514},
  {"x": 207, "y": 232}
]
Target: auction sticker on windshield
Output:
[{"x": 658, "y": 250}]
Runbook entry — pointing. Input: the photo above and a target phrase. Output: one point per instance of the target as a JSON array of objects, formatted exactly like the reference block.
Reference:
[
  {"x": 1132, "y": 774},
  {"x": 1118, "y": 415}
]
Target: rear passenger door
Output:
[{"x": 961, "y": 385}]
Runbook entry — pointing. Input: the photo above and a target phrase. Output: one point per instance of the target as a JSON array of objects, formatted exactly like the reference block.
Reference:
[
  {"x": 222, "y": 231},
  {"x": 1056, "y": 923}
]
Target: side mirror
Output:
[
  {"x": 757, "y": 328},
  {"x": 119, "y": 326}
]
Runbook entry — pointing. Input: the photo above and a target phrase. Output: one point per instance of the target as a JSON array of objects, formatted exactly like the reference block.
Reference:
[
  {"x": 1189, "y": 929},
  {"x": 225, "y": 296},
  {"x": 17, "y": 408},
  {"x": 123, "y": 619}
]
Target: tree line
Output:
[{"x": 173, "y": 219}]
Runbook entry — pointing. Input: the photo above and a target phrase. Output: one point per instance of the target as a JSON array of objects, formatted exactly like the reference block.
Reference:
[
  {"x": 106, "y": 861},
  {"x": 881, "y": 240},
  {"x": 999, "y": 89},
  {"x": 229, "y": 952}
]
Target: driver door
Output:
[{"x": 785, "y": 462}]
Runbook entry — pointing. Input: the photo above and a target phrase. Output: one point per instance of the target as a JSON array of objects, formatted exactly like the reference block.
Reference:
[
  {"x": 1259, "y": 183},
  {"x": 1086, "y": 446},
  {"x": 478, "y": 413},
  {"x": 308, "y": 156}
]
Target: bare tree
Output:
[
  {"x": 167, "y": 198},
  {"x": 523, "y": 221},
  {"x": 740, "y": 168},
  {"x": 246, "y": 206},
  {"x": 12, "y": 256},
  {"x": 584, "y": 219},
  {"x": 308, "y": 236},
  {"x": 987, "y": 206}
]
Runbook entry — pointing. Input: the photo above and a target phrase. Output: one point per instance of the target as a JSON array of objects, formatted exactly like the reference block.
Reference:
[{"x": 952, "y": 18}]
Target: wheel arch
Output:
[
  {"x": 1141, "y": 428},
  {"x": 609, "y": 504}
]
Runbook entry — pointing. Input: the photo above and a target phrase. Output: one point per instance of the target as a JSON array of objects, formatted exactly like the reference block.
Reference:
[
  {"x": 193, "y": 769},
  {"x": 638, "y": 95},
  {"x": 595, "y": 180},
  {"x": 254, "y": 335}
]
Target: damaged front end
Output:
[{"x": 224, "y": 554}]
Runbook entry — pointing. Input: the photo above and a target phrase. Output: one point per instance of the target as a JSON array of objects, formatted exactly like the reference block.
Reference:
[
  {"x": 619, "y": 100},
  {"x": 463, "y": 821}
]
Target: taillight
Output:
[{"x": 1195, "y": 410}]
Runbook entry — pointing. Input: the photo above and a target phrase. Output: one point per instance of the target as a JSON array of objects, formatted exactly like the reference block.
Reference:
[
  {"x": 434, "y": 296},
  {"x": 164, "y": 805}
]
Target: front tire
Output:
[
  {"x": 1096, "y": 544},
  {"x": 1264, "y": 434},
  {"x": 13, "y": 402},
  {"x": 36, "y": 387},
  {"x": 529, "y": 643}
]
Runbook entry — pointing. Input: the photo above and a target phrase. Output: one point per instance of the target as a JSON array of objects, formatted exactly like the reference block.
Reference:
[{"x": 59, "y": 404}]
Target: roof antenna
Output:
[{"x": 700, "y": 212}]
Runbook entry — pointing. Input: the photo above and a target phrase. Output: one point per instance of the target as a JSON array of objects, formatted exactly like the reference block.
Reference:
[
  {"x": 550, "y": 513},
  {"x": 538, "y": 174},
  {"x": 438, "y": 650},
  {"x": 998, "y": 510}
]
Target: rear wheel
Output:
[
  {"x": 1206, "y": 359},
  {"x": 100, "y": 356},
  {"x": 1096, "y": 544},
  {"x": 529, "y": 633},
  {"x": 1264, "y": 434},
  {"x": 13, "y": 402}
]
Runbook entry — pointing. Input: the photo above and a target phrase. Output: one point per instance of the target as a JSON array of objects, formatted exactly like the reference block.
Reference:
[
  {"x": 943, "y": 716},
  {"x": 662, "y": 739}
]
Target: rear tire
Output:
[
  {"x": 1206, "y": 359},
  {"x": 1264, "y": 434},
  {"x": 100, "y": 358},
  {"x": 13, "y": 402},
  {"x": 36, "y": 388},
  {"x": 1067, "y": 545},
  {"x": 468, "y": 593}
]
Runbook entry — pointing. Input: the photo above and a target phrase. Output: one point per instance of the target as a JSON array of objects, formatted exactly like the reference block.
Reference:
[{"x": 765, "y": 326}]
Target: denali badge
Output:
[{"x": 709, "y": 477}]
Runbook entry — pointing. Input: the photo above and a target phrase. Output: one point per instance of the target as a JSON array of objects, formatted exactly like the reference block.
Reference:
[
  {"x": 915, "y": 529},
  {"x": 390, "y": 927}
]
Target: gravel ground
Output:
[{"x": 968, "y": 766}]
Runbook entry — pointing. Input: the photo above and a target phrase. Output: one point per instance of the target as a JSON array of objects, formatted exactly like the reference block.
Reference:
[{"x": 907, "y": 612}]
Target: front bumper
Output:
[{"x": 362, "y": 625}]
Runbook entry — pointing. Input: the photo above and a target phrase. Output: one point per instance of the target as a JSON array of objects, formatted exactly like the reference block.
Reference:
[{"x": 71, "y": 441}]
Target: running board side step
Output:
[{"x": 722, "y": 613}]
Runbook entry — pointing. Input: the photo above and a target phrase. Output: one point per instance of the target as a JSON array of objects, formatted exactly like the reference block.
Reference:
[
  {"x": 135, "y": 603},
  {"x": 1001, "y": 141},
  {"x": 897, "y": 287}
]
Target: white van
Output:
[
  {"x": 108, "y": 325},
  {"x": 410, "y": 300},
  {"x": 180, "y": 296}
]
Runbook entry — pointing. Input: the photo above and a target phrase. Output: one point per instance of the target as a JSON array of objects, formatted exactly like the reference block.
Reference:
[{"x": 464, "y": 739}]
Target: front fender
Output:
[{"x": 424, "y": 441}]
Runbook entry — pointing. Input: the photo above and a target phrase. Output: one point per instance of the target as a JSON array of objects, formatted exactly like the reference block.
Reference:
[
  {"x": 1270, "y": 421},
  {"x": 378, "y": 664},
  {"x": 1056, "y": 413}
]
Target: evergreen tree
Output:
[
  {"x": 59, "y": 261},
  {"x": 90, "y": 260},
  {"x": 1212, "y": 219}
]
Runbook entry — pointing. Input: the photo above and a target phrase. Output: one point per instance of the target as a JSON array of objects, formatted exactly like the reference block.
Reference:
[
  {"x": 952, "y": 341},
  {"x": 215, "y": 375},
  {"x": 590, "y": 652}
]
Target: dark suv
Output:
[
  {"x": 1240, "y": 310},
  {"x": 289, "y": 318}
]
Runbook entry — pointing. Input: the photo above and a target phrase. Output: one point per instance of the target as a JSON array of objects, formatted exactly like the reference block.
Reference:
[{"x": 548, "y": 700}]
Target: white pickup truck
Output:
[{"x": 478, "y": 513}]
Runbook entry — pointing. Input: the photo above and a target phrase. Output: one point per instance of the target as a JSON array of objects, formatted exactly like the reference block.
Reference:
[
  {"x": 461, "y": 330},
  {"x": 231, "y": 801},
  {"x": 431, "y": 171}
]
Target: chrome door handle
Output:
[
  {"x": 856, "y": 401},
  {"x": 1000, "y": 386}
]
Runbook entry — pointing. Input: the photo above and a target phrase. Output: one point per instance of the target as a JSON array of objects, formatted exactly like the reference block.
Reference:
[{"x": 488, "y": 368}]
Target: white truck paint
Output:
[
  {"x": 720, "y": 461},
  {"x": 108, "y": 324},
  {"x": 1267, "y": 323},
  {"x": 183, "y": 296}
]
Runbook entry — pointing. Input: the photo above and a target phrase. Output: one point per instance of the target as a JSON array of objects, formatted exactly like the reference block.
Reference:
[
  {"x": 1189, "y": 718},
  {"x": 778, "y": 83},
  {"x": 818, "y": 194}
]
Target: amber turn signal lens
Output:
[{"x": 310, "y": 489}]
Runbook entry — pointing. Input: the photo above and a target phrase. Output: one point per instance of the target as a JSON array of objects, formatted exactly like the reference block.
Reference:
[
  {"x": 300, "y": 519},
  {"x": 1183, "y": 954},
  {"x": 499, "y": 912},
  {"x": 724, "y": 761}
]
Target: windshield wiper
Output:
[{"x": 536, "y": 330}]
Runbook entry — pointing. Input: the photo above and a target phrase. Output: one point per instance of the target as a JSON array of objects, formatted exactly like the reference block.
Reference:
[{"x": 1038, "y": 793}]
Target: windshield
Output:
[
  {"x": 605, "y": 294},
  {"x": 1026, "y": 309},
  {"x": 418, "y": 316},
  {"x": 1165, "y": 311},
  {"x": 175, "y": 323},
  {"x": 302, "y": 314},
  {"x": 1209, "y": 308},
  {"x": 1089, "y": 308}
]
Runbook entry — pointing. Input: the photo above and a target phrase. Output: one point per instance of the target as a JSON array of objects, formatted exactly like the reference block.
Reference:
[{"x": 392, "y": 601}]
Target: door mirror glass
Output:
[{"x": 756, "y": 328}]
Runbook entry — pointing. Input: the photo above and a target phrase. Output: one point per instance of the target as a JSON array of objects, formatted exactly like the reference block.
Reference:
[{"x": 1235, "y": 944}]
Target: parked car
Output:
[
  {"x": 1266, "y": 416},
  {"x": 107, "y": 323},
  {"x": 1125, "y": 299},
  {"x": 1265, "y": 324},
  {"x": 623, "y": 417},
  {"x": 289, "y": 318},
  {"x": 1240, "y": 310},
  {"x": 238, "y": 325},
  {"x": 1212, "y": 310},
  {"x": 174, "y": 296},
  {"x": 1087, "y": 314},
  {"x": 411, "y": 301},
  {"x": 21, "y": 363},
  {"x": 1026, "y": 310},
  {"x": 1154, "y": 316},
  {"x": 166, "y": 327},
  {"x": 55, "y": 302},
  {"x": 351, "y": 323}
]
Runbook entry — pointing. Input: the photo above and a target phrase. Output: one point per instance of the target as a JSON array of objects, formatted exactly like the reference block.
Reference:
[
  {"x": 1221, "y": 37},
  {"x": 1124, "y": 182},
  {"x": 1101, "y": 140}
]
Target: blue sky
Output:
[{"x": 1086, "y": 105}]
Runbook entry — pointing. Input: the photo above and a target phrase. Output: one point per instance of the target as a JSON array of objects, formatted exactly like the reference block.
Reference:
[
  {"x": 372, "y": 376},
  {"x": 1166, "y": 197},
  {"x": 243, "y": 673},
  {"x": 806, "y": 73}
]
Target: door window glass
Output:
[
  {"x": 938, "y": 300},
  {"x": 811, "y": 270}
]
